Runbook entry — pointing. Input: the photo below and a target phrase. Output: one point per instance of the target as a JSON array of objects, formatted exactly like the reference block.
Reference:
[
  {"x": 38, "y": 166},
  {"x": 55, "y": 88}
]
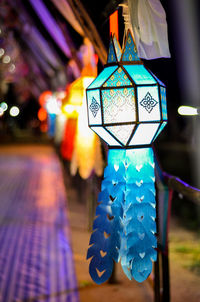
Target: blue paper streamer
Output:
[{"x": 126, "y": 213}]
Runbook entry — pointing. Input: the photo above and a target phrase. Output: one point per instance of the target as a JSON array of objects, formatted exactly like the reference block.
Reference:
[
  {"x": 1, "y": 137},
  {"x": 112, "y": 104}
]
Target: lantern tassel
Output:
[
  {"x": 138, "y": 241},
  {"x": 125, "y": 226}
]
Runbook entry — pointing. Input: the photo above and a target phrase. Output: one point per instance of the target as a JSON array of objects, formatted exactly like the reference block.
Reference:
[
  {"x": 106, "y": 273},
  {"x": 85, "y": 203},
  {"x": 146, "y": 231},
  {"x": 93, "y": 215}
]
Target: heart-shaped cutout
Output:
[
  {"x": 102, "y": 253},
  {"x": 139, "y": 167},
  {"x": 141, "y": 235},
  {"x": 116, "y": 167},
  {"x": 106, "y": 235},
  {"x": 140, "y": 199},
  {"x": 153, "y": 165},
  {"x": 139, "y": 183},
  {"x": 100, "y": 273},
  {"x": 142, "y": 255}
]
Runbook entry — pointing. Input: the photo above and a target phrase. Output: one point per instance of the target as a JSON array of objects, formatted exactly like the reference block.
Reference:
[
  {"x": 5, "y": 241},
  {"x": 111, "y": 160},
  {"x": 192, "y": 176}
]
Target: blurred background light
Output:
[
  {"x": 12, "y": 68},
  {"x": 1, "y": 111},
  {"x": 42, "y": 114},
  {"x": 187, "y": 110},
  {"x": 52, "y": 106},
  {"x": 6, "y": 59},
  {"x": 4, "y": 106},
  {"x": 2, "y": 51},
  {"x": 14, "y": 111}
]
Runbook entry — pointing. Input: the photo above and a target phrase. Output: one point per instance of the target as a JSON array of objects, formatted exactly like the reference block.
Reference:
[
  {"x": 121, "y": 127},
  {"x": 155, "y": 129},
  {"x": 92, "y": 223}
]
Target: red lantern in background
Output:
[{"x": 67, "y": 145}]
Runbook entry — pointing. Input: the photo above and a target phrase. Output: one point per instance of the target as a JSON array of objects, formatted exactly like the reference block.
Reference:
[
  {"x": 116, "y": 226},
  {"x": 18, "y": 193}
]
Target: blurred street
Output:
[{"x": 35, "y": 252}]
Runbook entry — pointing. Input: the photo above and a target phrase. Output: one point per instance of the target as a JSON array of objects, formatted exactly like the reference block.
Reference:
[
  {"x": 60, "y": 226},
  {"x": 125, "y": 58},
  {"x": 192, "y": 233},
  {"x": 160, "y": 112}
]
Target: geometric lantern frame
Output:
[
  {"x": 126, "y": 106},
  {"x": 126, "y": 100}
]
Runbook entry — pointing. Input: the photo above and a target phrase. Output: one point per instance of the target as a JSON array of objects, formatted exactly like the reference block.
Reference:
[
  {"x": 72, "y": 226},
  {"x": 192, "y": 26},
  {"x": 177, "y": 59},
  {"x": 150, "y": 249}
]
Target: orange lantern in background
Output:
[
  {"x": 87, "y": 147},
  {"x": 86, "y": 155}
]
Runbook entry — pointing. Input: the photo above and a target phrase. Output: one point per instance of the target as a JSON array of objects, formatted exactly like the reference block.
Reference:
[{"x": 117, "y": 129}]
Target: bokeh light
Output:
[
  {"x": 4, "y": 106},
  {"x": 187, "y": 110},
  {"x": 14, "y": 111},
  {"x": 2, "y": 51},
  {"x": 1, "y": 111},
  {"x": 6, "y": 59},
  {"x": 42, "y": 114}
]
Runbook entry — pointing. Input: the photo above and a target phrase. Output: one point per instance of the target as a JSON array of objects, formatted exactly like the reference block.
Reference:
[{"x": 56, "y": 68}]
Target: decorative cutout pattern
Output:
[
  {"x": 94, "y": 107},
  {"x": 148, "y": 102},
  {"x": 132, "y": 228}
]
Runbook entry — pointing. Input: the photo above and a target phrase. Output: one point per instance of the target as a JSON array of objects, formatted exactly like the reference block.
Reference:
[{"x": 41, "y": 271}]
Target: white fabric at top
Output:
[
  {"x": 51, "y": 25},
  {"x": 66, "y": 11},
  {"x": 148, "y": 20}
]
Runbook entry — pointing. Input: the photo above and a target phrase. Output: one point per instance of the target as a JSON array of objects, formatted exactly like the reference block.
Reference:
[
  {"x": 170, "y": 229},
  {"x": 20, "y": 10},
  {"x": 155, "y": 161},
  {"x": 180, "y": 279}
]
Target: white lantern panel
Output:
[
  {"x": 148, "y": 103},
  {"x": 107, "y": 137},
  {"x": 139, "y": 74},
  {"x": 161, "y": 128},
  {"x": 121, "y": 132},
  {"x": 94, "y": 107},
  {"x": 102, "y": 77},
  {"x": 118, "y": 105},
  {"x": 144, "y": 134},
  {"x": 163, "y": 102}
]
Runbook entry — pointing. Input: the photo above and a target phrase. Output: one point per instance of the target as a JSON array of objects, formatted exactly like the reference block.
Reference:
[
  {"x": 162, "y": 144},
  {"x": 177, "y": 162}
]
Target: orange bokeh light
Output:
[
  {"x": 42, "y": 115},
  {"x": 44, "y": 97}
]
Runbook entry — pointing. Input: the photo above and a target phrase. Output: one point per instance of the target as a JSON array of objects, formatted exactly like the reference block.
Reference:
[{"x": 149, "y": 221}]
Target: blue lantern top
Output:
[{"x": 126, "y": 102}]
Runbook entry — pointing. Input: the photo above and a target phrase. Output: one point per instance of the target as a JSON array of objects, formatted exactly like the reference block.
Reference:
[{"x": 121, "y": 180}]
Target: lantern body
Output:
[
  {"x": 127, "y": 108},
  {"x": 126, "y": 100},
  {"x": 86, "y": 149}
]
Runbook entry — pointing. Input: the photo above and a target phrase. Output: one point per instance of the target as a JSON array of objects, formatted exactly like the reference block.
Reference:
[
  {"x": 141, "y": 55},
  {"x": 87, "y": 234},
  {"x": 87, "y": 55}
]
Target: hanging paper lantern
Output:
[
  {"x": 85, "y": 147},
  {"x": 87, "y": 151},
  {"x": 127, "y": 109}
]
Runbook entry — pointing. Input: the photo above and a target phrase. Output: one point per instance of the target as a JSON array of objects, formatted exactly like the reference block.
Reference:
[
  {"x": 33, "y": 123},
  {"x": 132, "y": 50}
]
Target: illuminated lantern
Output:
[
  {"x": 127, "y": 109},
  {"x": 86, "y": 146}
]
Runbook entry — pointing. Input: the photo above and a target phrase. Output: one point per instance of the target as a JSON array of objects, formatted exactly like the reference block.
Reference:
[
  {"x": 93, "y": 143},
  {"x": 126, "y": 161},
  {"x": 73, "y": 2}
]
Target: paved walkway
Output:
[{"x": 36, "y": 262}]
